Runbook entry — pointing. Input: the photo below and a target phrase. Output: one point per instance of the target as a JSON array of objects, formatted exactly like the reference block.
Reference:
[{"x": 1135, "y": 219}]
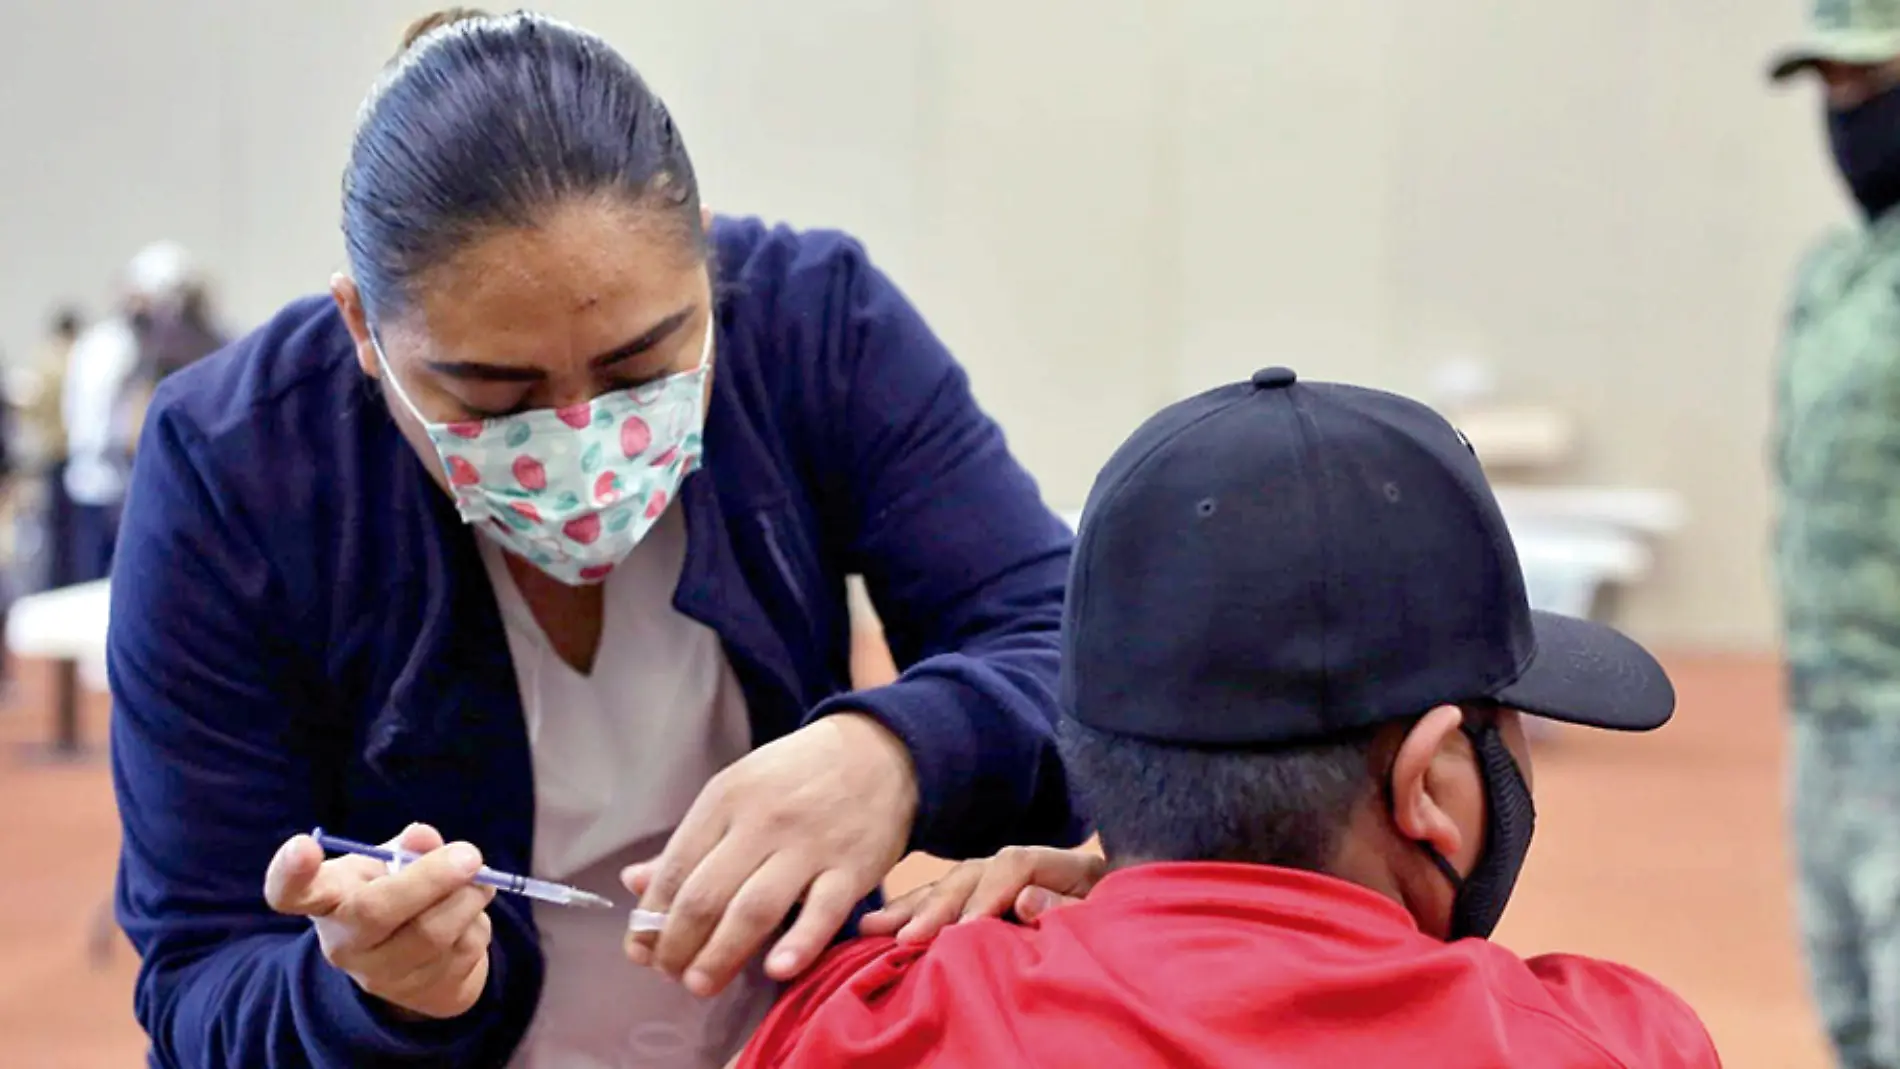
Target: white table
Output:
[
  {"x": 68, "y": 627},
  {"x": 1639, "y": 511},
  {"x": 64, "y": 624}
]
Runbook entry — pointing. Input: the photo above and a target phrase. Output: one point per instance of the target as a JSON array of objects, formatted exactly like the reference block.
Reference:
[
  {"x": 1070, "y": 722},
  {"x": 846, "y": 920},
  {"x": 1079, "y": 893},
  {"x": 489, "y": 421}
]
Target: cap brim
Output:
[
  {"x": 1586, "y": 673},
  {"x": 1789, "y": 64},
  {"x": 1860, "y": 48}
]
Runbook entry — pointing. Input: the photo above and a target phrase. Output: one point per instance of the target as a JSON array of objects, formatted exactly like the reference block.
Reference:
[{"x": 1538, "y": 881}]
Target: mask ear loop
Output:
[
  {"x": 706, "y": 347},
  {"x": 1472, "y": 731},
  {"x": 1479, "y": 724},
  {"x": 382, "y": 361},
  {"x": 1443, "y": 864}
]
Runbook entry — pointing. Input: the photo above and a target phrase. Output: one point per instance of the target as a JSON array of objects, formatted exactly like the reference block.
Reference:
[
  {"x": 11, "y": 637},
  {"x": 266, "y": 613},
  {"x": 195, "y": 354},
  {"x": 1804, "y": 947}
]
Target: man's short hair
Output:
[{"x": 1288, "y": 806}]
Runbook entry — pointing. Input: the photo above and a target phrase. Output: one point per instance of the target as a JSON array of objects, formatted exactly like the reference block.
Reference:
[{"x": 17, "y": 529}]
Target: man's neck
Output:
[{"x": 1357, "y": 862}]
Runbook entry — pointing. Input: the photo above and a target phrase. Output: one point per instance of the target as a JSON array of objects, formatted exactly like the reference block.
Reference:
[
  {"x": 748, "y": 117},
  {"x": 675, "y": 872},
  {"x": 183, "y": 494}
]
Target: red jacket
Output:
[{"x": 1222, "y": 965}]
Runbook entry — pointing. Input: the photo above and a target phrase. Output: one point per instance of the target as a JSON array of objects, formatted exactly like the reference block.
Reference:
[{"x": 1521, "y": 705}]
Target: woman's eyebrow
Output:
[{"x": 479, "y": 370}]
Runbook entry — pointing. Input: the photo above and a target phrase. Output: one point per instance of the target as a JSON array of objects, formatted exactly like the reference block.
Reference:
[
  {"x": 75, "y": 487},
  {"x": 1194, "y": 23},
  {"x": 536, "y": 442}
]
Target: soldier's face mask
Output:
[{"x": 1866, "y": 143}]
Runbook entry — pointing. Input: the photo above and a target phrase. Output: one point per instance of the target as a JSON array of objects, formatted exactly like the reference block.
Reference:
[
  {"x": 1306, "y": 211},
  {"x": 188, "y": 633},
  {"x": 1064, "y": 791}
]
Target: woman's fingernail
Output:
[
  {"x": 1036, "y": 901},
  {"x": 782, "y": 962},
  {"x": 639, "y": 953},
  {"x": 465, "y": 857}
]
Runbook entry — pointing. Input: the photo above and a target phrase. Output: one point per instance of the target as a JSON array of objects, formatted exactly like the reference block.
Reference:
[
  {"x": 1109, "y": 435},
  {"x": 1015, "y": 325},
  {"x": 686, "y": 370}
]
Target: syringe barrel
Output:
[
  {"x": 504, "y": 881},
  {"x": 546, "y": 891}
]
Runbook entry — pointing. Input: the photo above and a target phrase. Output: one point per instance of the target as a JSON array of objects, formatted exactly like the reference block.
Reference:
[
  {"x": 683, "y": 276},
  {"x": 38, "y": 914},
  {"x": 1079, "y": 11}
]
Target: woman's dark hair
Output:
[{"x": 488, "y": 121}]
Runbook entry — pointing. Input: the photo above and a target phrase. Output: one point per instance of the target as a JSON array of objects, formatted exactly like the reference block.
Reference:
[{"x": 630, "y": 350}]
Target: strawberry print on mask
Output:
[{"x": 573, "y": 490}]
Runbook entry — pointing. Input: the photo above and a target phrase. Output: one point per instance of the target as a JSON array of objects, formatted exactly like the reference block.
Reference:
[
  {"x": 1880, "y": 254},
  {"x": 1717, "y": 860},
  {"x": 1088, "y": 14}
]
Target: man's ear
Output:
[
  {"x": 1421, "y": 776},
  {"x": 350, "y": 302}
]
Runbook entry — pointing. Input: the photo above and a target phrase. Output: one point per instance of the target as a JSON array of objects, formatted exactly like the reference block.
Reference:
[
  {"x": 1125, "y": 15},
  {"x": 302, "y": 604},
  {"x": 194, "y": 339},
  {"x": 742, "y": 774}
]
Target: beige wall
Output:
[{"x": 1103, "y": 204}]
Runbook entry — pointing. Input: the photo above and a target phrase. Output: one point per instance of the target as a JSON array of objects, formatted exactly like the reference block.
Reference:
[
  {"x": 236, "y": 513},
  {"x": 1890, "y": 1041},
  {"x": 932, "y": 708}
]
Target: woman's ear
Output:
[
  {"x": 350, "y": 302},
  {"x": 1424, "y": 806}
]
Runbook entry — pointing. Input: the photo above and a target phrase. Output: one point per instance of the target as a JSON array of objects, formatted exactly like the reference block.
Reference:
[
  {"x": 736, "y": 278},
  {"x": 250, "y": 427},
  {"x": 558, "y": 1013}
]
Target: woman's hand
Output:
[
  {"x": 820, "y": 815},
  {"x": 416, "y": 939},
  {"x": 1028, "y": 881}
]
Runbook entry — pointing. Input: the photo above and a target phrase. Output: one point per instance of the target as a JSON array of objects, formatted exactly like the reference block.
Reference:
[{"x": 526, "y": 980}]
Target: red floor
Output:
[{"x": 1665, "y": 852}]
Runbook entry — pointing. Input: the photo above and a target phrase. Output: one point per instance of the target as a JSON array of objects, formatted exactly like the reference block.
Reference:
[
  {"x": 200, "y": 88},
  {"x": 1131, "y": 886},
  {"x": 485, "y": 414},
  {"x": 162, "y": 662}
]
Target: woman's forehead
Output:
[{"x": 583, "y": 281}]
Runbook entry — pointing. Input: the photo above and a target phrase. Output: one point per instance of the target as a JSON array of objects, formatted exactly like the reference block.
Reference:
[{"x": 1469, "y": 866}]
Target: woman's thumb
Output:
[
  {"x": 294, "y": 882},
  {"x": 418, "y": 839}
]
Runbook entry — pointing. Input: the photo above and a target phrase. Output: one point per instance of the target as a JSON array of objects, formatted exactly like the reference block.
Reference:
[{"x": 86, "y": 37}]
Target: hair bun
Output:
[{"x": 448, "y": 16}]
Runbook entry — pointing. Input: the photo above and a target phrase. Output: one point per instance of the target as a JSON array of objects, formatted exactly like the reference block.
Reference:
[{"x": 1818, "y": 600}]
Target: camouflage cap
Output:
[{"x": 1843, "y": 31}]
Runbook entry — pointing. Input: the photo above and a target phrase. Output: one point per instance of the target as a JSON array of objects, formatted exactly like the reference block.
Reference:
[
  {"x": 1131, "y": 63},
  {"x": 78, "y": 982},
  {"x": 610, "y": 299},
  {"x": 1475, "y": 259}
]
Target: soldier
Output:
[{"x": 1837, "y": 546}]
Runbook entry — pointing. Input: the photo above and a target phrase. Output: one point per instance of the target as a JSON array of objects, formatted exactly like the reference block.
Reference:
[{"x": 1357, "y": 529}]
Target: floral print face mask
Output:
[{"x": 573, "y": 490}]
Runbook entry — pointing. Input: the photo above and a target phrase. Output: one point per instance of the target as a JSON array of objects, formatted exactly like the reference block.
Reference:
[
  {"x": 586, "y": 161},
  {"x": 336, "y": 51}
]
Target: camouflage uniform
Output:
[{"x": 1837, "y": 555}]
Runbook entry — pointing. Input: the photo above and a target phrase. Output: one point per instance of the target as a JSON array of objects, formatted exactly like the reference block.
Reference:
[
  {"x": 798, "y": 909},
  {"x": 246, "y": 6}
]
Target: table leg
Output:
[{"x": 66, "y": 746}]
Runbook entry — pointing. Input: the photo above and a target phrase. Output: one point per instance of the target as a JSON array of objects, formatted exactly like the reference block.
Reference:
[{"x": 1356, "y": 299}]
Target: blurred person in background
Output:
[
  {"x": 534, "y": 532},
  {"x": 101, "y": 399},
  {"x": 173, "y": 334},
  {"x": 1836, "y": 456},
  {"x": 37, "y": 507},
  {"x": 34, "y": 390}
]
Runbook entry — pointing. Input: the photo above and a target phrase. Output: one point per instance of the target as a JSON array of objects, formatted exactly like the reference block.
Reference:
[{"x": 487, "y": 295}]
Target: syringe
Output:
[{"x": 559, "y": 894}]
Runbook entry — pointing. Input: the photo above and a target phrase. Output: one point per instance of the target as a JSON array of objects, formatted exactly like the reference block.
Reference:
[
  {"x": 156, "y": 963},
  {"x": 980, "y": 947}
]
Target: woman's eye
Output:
[
  {"x": 634, "y": 382},
  {"x": 481, "y": 413},
  {"x": 626, "y": 381}
]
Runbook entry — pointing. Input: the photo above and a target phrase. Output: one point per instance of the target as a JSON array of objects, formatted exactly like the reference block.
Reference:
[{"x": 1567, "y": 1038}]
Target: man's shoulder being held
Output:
[{"x": 998, "y": 987}]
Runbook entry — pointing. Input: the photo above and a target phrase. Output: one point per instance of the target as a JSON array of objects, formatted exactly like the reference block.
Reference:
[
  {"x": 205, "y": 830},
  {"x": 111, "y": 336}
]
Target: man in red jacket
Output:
[{"x": 1297, "y": 652}]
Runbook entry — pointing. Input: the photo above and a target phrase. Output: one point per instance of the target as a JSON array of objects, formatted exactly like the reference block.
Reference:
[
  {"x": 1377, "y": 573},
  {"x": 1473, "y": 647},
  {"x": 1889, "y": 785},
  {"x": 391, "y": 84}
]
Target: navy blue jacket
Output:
[{"x": 303, "y": 633}]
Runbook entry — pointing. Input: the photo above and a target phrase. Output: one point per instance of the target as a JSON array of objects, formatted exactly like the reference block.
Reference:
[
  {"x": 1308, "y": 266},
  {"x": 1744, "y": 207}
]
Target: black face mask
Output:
[
  {"x": 1866, "y": 142},
  {"x": 1479, "y": 899}
]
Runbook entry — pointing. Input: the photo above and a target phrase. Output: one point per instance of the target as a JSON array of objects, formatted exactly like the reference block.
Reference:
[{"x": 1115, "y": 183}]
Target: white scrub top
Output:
[{"x": 619, "y": 756}]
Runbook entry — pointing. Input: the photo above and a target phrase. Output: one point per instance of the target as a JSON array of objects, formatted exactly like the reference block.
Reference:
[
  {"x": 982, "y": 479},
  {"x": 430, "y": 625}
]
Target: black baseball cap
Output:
[{"x": 1275, "y": 562}]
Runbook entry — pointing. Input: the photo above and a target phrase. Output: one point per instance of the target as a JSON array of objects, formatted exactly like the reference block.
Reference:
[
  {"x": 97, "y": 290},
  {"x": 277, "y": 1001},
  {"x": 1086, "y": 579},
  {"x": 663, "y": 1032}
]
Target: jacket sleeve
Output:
[
  {"x": 965, "y": 565},
  {"x": 212, "y": 773},
  {"x": 1624, "y": 1014}
]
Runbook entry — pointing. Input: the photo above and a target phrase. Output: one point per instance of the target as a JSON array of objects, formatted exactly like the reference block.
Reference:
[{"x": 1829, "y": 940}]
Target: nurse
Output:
[{"x": 532, "y": 537}]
